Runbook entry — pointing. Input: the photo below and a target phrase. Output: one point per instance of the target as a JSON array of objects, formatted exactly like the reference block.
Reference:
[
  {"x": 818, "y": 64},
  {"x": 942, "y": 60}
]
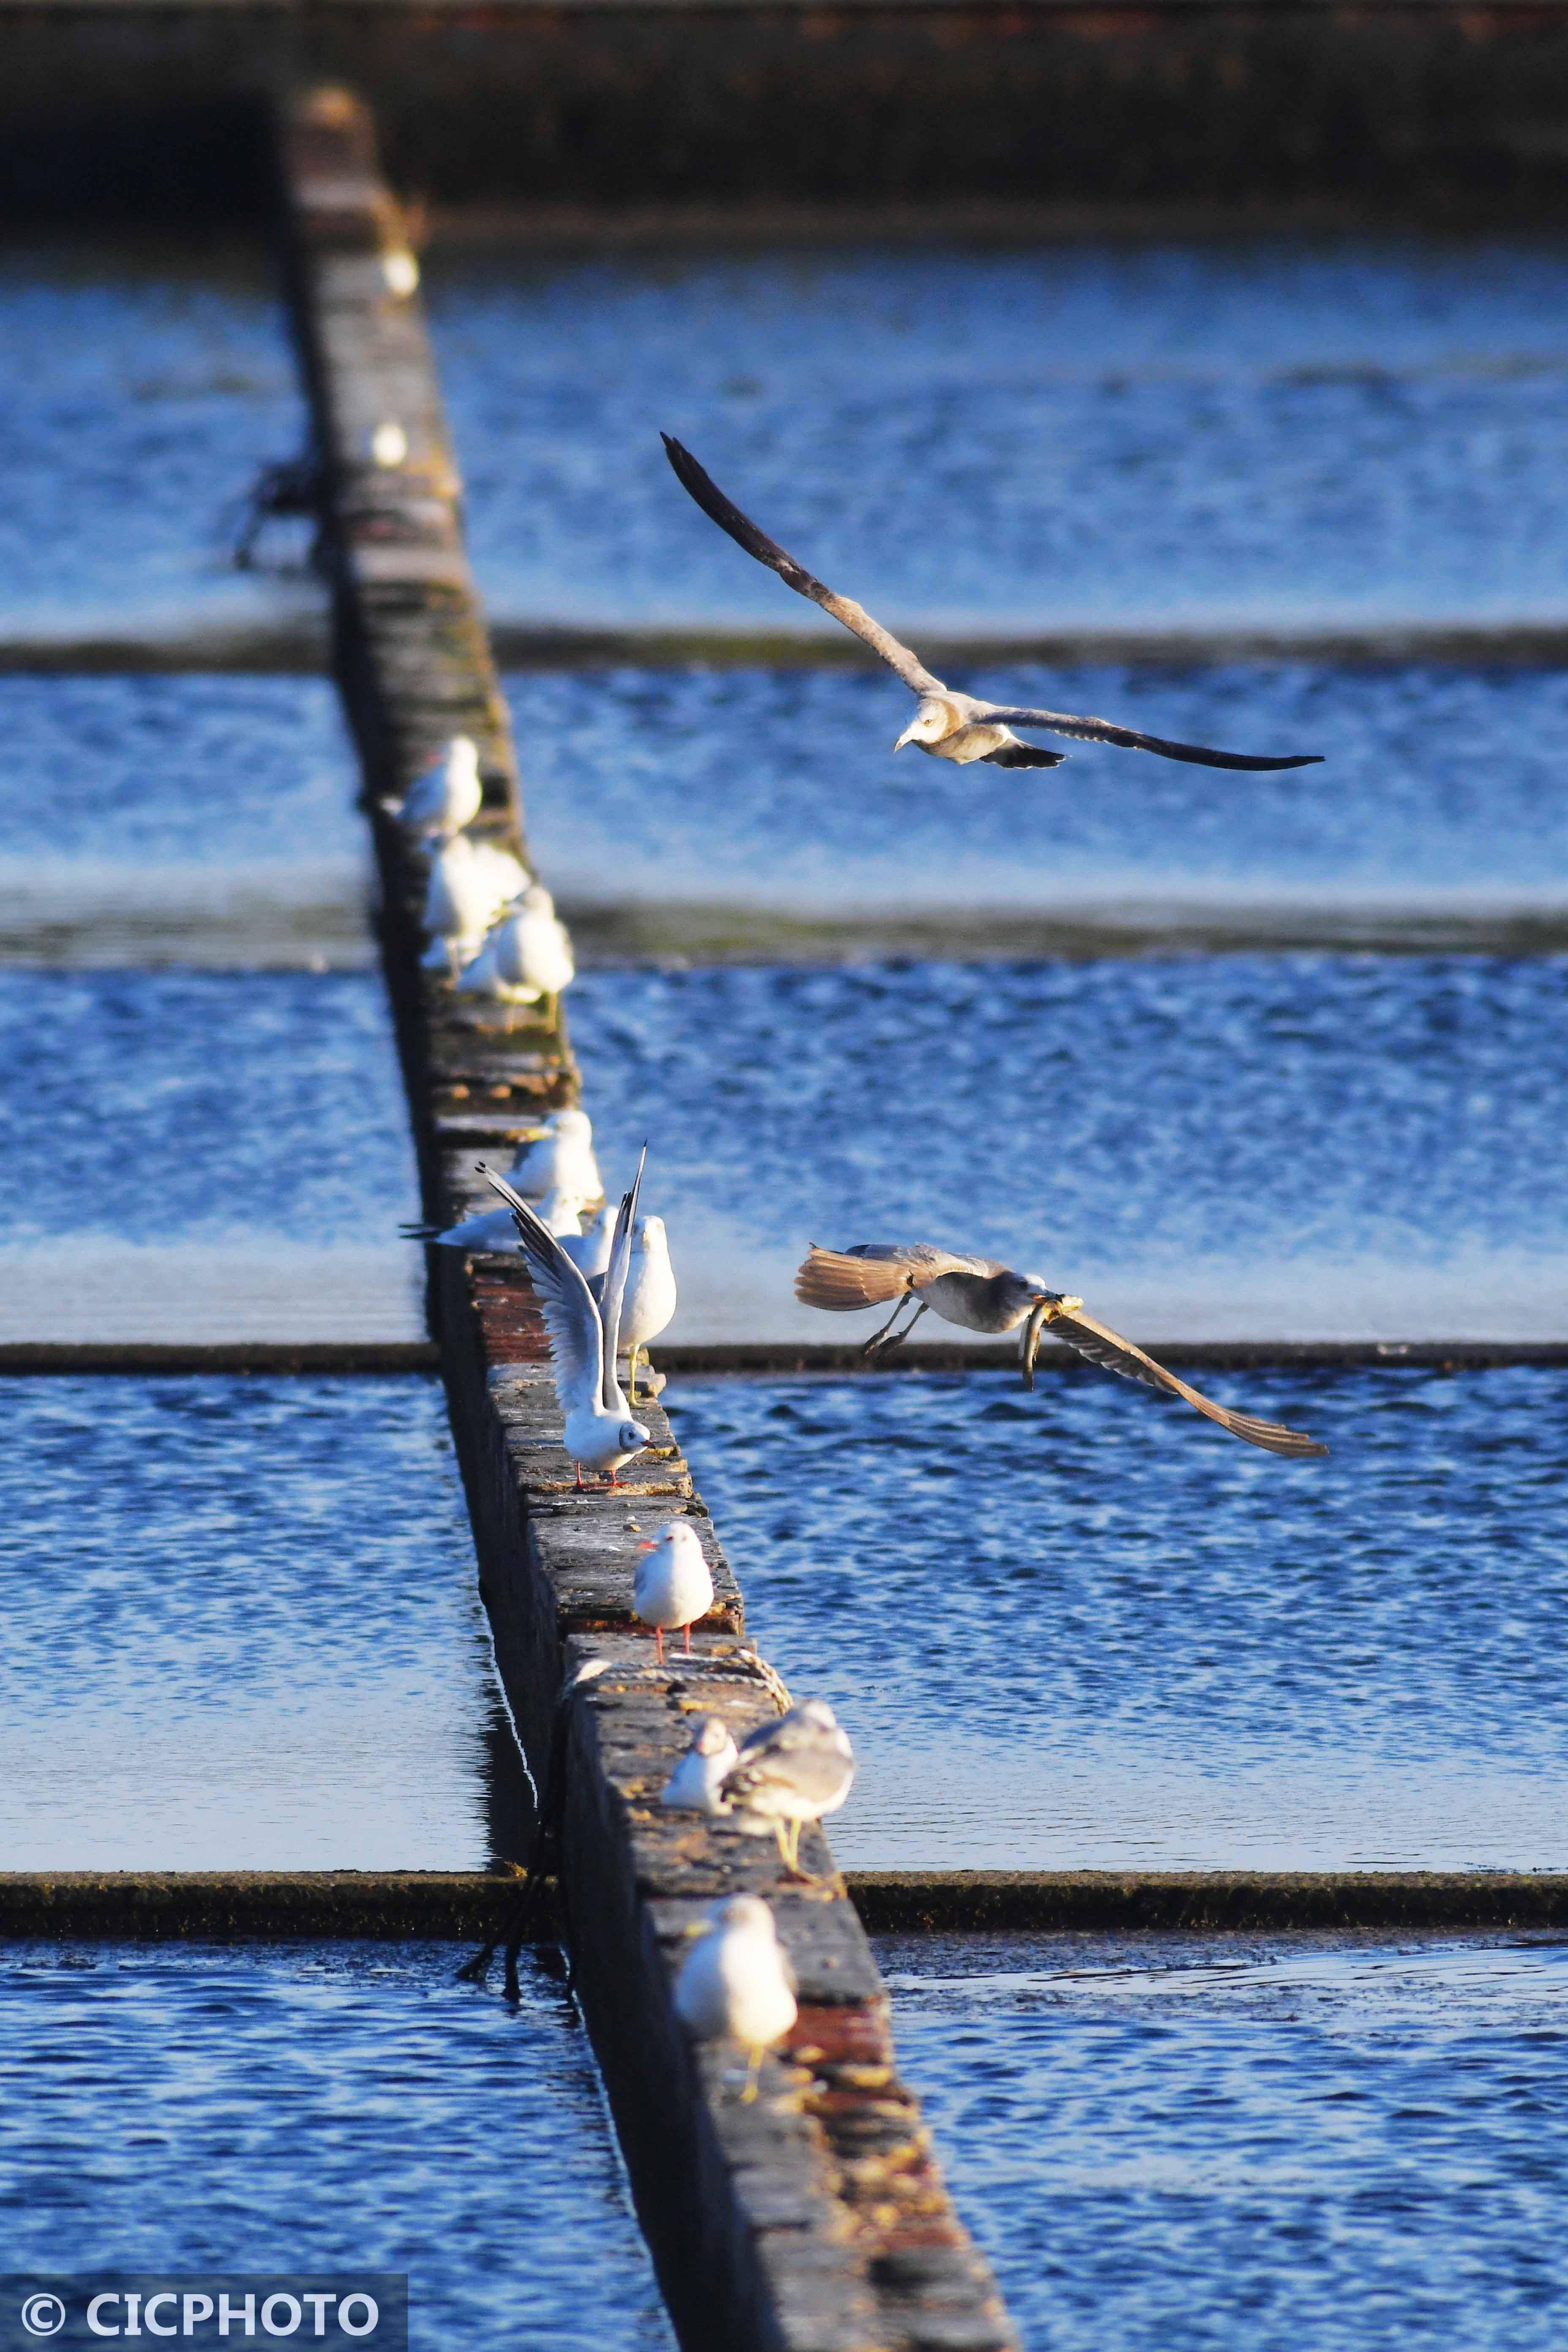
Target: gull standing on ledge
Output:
[
  {"x": 447, "y": 796},
  {"x": 527, "y": 959},
  {"x": 470, "y": 881},
  {"x": 693, "y": 1786},
  {"x": 735, "y": 1984},
  {"x": 600, "y": 1432},
  {"x": 980, "y": 1295},
  {"x": 793, "y": 1769},
  {"x": 557, "y": 1153},
  {"x": 951, "y": 726},
  {"x": 650, "y": 1298},
  {"x": 674, "y": 1584}
]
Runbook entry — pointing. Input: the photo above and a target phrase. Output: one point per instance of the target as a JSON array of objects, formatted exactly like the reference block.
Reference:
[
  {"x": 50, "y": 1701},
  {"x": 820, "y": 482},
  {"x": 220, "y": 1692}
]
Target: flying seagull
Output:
[
  {"x": 980, "y": 1295},
  {"x": 950, "y": 725},
  {"x": 600, "y": 1431}
]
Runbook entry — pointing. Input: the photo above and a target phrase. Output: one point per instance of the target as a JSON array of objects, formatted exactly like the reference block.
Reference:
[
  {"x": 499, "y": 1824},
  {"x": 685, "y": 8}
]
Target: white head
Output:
[
  {"x": 743, "y": 1914},
  {"x": 632, "y": 1436},
  {"x": 935, "y": 719},
  {"x": 712, "y": 1736},
  {"x": 682, "y": 1538},
  {"x": 575, "y": 1125},
  {"x": 462, "y": 757},
  {"x": 818, "y": 1713},
  {"x": 538, "y": 900},
  {"x": 561, "y": 1211},
  {"x": 649, "y": 1235},
  {"x": 400, "y": 271}
]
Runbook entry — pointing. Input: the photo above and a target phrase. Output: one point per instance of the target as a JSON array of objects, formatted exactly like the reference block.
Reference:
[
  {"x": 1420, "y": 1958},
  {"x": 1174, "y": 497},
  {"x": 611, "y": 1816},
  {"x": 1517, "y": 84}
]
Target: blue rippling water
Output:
[
  {"x": 1084, "y": 1628},
  {"x": 1439, "y": 792},
  {"x": 196, "y": 1155},
  {"x": 335, "y": 2106},
  {"x": 1293, "y": 433},
  {"x": 242, "y": 1632},
  {"x": 142, "y": 392},
  {"x": 1294, "y": 1146},
  {"x": 1201, "y": 2146}
]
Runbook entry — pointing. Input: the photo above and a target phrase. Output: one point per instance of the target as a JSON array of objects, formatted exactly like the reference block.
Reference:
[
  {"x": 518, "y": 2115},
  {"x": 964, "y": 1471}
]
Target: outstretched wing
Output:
[
  {"x": 571, "y": 1318},
  {"x": 1115, "y": 1354},
  {"x": 613, "y": 1290},
  {"x": 871, "y": 1272},
  {"x": 744, "y": 532},
  {"x": 1102, "y": 730}
]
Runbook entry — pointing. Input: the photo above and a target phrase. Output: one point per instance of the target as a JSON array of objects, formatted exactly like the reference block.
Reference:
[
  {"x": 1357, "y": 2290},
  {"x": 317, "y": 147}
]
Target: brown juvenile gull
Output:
[
  {"x": 980, "y": 1295},
  {"x": 950, "y": 725}
]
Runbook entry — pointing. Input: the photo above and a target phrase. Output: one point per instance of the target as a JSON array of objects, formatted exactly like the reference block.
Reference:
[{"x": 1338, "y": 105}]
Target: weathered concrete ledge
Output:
[
  {"x": 761, "y": 1360},
  {"x": 302, "y": 647},
  {"x": 135, "y": 1358},
  {"x": 815, "y": 2217},
  {"x": 1017, "y": 1902},
  {"x": 265, "y": 1906},
  {"x": 473, "y": 1906},
  {"x": 1424, "y": 109}
]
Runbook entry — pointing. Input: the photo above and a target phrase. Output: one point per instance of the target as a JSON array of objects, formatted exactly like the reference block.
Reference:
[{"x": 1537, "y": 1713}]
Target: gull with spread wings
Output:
[
  {"x": 949, "y": 725},
  {"x": 981, "y": 1295},
  {"x": 601, "y": 1429}
]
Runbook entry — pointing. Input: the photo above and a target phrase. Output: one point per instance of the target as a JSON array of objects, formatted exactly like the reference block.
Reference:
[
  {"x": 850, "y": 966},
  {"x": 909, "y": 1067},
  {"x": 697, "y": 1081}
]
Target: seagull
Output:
[
  {"x": 735, "y": 1984},
  {"x": 793, "y": 1769},
  {"x": 470, "y": 882},
  {"x": 649, "y": 1302},
  {"x": 400, "y": 271},
  {"x": 527, "y": 959},
  {"x": 693, "y": 1786},
  {"x": 674, "y": 1583},
  {"x": 590, "y": 1253},
  {"x": 980, "y": 1295},
  {"x": 495, "y": 1229},
  {"x": 448, "y": 796},
  {"x": 950, "y": 725},
  {"x": 558, "y": 1151},
  {"x": 600, "y": 1432}
]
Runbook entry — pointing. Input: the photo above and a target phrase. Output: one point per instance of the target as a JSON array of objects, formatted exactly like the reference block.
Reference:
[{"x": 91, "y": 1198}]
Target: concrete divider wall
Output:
[
  {"x": 1396, "y": 107},
  {"x": 814, "y": 2218}
]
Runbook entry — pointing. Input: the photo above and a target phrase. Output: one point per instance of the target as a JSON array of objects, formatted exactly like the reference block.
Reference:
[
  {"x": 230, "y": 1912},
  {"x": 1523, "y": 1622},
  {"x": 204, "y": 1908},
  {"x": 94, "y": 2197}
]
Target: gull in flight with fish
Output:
[
  {"x": 600, "y": 1432},
  {"x": 981, "y": 1295},
  {"x": 950, "y": 725}
]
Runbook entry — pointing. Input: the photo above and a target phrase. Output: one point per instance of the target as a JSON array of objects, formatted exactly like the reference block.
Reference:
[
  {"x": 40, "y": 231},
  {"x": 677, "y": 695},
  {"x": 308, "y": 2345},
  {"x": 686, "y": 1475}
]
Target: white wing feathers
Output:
[{"x": 571, "y": 1318}]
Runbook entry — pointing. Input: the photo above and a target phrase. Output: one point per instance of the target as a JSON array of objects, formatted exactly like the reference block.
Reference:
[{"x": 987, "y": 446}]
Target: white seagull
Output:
[
  {"x": 674, "y": 1585},
  {"x": 495, "y": 1229},
  {"x": 527, "y": 959},
  {"x": 950, "y": 725},
  {"x": 400, "y": 271},
  {"x": 650, "y": 1297},
  {"x": 590, "y": 1253},
  {"x": 693, "y": 1786},
  {"x": 735, "y": 1984},
  {"x": 600, "y": 1432},
  {"x": 980, "y": 1295},
  {"x": 558, "y": 1151},
  {"x": 447, "y": 796},
  {"x": 470, "y": 882},
  {"x": 792, "y": 1771}
]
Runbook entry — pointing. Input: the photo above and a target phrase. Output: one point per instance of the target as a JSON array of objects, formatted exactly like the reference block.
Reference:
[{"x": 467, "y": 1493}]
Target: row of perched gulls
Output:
[
  {"x": 491, "y": 927},
  {"x": 736, "y": 1983}
]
